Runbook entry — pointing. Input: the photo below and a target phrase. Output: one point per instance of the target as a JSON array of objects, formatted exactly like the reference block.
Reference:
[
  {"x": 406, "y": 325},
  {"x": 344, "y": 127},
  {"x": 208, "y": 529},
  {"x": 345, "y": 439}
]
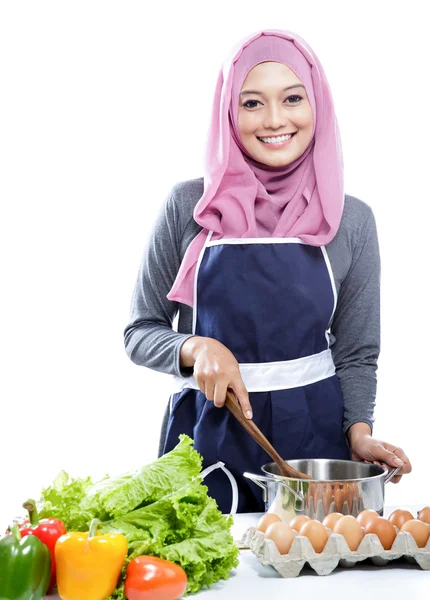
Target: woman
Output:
[{"x": 275, "y": 274}]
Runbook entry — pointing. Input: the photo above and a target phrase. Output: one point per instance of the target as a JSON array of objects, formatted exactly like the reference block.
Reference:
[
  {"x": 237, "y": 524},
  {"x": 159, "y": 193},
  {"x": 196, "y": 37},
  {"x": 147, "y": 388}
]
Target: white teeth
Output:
[{"x": 275, "y": 140}]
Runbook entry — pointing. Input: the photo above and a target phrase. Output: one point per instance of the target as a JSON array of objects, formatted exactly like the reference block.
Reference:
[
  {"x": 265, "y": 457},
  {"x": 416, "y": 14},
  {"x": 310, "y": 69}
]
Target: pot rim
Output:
[{"x": 352, "y": 480}]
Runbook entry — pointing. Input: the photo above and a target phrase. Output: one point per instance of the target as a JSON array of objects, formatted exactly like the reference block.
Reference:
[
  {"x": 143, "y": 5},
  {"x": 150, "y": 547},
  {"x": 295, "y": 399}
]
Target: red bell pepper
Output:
[{"x": 47, "y": 530}]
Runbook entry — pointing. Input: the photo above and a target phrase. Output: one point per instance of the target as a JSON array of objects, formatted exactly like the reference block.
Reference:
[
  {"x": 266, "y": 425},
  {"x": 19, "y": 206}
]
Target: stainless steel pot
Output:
[{"x": 343, "y": 486}]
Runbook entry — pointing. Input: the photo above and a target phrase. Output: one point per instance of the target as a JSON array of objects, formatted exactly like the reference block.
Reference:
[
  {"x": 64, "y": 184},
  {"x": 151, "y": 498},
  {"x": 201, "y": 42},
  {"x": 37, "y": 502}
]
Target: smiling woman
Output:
[
  {"x": 270, "y": 120},
  {"x": 275, "y": 273}
]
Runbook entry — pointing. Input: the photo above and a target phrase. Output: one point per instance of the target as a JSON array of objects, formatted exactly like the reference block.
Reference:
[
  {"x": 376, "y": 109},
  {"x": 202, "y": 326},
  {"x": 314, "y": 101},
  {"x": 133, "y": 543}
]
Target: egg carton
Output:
[{"x": 336, "y": 552}]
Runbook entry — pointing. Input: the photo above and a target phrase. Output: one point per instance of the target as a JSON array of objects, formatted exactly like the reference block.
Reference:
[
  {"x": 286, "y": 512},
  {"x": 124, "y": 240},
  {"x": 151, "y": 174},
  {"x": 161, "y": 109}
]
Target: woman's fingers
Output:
[
  {"x": 201, "y": 382},
  {"x": 400, "y": 456},
  {"x": 220, "y": 393},
  {"x": 394, "y": 479},
  {"x": 242, "y": 395},
  {"x": 407, "y": 467},
  {"x": 209, "y": 389},
  {"x": 216, "y": 369},
  {"x": 381, "y": 453}
]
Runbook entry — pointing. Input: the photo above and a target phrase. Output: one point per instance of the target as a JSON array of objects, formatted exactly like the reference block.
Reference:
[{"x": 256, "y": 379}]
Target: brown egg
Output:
[
  {"x": 317, "y": 495},
  {"x": 366, "y": 516},
  {"x": 267, "y": 520},
  {"x": 282, "y": 535},
  {"x": 355, "y": 494},
  {"x": 348, "y": 495},
  {"x": 327, "y": 498},
  {"x": 298, "y": 521},
  {"x": 399, "y": 516},
  {"x": 384, "y": 529},
  {"x": 339, "y": 496},
  {"x": 316, "y": 533},
  {"x": 351, "y": 530},
  {"x": 420, "y": 531},
  {"x": 331, "y": 520},
  {"x": 424, "y": 515}
]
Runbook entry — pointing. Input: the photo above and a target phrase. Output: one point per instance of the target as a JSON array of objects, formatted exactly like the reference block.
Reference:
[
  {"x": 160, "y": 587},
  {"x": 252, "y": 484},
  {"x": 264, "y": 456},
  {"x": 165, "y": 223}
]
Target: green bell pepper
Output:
[{"x": 25, "y": 567}]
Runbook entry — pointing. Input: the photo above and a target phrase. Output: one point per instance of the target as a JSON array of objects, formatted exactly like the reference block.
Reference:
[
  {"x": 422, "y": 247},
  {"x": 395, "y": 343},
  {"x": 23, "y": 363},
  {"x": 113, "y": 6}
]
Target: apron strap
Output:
[
  {"x": 202, "y": 251},
  {"x": 234, "y": 489}
]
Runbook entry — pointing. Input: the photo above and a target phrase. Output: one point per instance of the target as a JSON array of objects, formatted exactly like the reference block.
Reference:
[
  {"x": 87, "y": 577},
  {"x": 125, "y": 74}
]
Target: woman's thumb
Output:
[{"x": 391, "y": 459}]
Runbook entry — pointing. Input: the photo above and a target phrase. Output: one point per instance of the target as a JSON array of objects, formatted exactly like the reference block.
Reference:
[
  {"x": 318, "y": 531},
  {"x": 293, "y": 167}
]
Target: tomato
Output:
[{"x": 152, "y": 578}]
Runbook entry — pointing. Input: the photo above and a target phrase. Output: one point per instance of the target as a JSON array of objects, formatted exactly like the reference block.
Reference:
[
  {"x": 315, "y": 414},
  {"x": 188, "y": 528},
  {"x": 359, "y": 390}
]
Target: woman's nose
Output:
[{"x": 275, "y": 117}]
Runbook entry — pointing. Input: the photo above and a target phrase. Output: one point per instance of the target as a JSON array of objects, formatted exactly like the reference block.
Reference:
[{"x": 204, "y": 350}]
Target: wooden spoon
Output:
[{"x": 286, "y": 470}]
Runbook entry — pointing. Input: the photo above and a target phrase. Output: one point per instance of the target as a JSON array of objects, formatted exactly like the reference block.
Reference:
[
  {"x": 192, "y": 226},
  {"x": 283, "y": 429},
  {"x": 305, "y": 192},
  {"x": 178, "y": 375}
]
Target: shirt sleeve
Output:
[
  {"x": 149, "y": 338},
  {"x": 356, "y": 328}
]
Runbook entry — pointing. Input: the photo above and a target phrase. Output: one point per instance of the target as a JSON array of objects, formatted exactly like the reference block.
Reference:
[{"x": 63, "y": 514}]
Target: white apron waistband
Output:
[{"x": 281, "y": 375}]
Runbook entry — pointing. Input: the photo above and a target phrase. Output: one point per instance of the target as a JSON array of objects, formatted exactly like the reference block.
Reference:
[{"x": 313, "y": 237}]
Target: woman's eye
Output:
[
  {"x": 245, "y": 104},
  {"x": 293, "y": 99},
  {"x": 295, "y": 96}
]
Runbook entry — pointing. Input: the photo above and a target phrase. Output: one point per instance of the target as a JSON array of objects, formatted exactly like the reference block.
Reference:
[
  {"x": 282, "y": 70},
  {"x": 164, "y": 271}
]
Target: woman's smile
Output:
[{"x": 275, "y": 143}]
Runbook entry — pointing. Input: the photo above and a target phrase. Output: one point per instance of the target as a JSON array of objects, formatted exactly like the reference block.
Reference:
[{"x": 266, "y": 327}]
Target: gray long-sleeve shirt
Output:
[{"x": 150, "y": 340}]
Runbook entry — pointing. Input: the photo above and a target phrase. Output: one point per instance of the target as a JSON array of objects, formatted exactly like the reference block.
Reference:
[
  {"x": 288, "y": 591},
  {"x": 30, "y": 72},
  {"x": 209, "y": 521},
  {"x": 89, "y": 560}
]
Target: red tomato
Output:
[{"x": 152, "y": 578}]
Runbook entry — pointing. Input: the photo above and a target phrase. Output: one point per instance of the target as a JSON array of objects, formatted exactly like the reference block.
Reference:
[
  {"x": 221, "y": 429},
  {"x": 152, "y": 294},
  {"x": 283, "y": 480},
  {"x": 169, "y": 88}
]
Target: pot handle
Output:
[
  {"x": 391, "y": 474},
  {"x": 259, "y": 478},
  {"x": 256, "y": 479}
]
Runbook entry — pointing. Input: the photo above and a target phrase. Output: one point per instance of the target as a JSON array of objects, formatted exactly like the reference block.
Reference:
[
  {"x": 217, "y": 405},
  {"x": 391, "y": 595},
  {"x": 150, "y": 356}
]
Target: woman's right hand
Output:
[{"x": 215, "y": 370}]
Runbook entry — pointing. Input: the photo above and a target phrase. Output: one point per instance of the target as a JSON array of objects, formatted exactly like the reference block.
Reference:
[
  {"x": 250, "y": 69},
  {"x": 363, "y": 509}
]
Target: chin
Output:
[{"x": 280, "y": 162}]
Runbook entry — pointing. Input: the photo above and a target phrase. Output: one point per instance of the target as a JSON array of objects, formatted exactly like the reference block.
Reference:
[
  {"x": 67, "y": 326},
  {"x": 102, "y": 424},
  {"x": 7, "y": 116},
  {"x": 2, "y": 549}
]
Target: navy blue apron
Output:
[{"x": 271, "y": 302}]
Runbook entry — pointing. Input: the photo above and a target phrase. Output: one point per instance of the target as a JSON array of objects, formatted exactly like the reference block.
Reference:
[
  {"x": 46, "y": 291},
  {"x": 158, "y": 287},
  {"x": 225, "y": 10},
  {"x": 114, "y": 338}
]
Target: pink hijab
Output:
[{"x": 245, "y": 198}]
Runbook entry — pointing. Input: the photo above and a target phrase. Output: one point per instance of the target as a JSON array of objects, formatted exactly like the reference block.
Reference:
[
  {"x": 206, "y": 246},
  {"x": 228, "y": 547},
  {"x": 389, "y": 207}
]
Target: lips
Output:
[{"x": 261, "y": 140}]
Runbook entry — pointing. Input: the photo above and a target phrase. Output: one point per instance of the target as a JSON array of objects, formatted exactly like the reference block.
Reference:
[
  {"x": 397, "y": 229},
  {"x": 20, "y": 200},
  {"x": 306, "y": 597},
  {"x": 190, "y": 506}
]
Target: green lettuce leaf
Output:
[
  {"x": 163, "y": 509},
  {"x": 184, "y": 527},
  {"x": 166, "y": 521},
  {"x": 77, "y": 501},
  {"x": 119, "y": 495},
  {"x": 207, "y": 554},
  {"x": 62, "y": 500}
]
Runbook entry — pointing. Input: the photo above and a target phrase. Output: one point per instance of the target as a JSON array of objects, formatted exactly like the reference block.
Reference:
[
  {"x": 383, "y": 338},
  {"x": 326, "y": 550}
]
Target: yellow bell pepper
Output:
[{"x": 89, "y": 564}]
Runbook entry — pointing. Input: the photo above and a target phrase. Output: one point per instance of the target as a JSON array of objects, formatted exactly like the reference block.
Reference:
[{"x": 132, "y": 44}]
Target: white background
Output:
[{"x": 104, "y": 106}]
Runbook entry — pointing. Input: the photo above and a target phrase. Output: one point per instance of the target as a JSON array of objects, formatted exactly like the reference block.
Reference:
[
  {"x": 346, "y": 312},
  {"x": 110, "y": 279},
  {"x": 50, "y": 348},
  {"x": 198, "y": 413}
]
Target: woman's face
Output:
[{"x": 267, "y": 110}]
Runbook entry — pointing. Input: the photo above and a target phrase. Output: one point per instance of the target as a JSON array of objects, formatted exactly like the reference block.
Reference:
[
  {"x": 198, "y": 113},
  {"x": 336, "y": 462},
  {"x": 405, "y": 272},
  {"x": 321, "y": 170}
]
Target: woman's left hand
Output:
[{"x": 368, "y": 449}]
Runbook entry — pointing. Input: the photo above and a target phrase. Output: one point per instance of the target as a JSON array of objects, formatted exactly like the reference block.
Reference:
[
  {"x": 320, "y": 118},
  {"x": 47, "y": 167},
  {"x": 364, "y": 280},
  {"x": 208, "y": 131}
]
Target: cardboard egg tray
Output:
[{"x": 336, "y": 552}]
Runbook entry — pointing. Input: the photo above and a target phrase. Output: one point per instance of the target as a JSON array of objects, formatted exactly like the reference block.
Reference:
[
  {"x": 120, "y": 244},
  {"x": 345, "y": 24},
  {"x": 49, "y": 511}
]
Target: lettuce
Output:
[
  {"x": 166, "y": 521},
  {"x": 207, "y": 553},
  {"x": 62, "y": 500},
  {"x": 77, "y": 501},
  {"x": 118, "y": 496},
  {"x": 163, "y": 509},
  {"x": 186, "y": 528}
]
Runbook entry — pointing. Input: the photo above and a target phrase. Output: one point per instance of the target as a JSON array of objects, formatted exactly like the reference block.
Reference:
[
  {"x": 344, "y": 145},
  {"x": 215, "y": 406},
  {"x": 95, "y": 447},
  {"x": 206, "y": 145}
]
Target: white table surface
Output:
[{"x": 253, "y": 581}]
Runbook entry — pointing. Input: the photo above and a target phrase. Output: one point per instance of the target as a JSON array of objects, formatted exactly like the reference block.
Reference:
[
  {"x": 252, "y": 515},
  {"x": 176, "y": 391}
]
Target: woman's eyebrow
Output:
[{"x": 260, "y": 93}]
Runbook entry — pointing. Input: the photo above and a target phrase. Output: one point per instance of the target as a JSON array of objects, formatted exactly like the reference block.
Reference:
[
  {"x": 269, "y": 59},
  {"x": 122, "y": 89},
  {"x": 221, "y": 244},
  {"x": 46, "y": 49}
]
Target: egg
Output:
[
  {"x": 317, "y": 496},
  {"x": 384, "y": 529},
  {"x": 399, "y": 516},
  {"x": 424, "y": 515},
  {"x": 366, "y": 516},
  {"x": 331, "y": 520},
  {"x": 267, "y": 520},
  {"x": 355, "y": 494},
  {"x": 298, "y": 522},
  {"x": 349, "y": 495},
  {"x": 420, "y": 531},
  {"x": 316, "y": 533},
  {"x": 327, "y": 498},
  {"x": 351, "y": 530},
  {"x": 282, "y": 535},
  {"x": 339, "y": 496}
]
